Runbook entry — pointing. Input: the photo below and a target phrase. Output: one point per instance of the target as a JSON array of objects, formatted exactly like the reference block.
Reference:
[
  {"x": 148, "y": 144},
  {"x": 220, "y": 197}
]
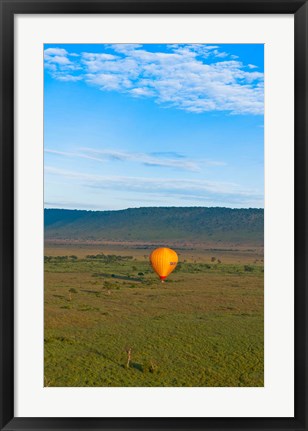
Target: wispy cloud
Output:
[
  {"x": 164, "y": 187},
  {"x": 195, "y": 78},
  {"x": 73, "y": 205},
  {"x": 72, "y": 154},
  {"x": 160, "y": 159},
  {"x": 167, "y": 154}
]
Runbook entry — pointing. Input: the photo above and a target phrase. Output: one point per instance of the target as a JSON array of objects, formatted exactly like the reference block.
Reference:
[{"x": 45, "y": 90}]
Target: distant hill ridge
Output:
[{"x": 216, "y": 224}]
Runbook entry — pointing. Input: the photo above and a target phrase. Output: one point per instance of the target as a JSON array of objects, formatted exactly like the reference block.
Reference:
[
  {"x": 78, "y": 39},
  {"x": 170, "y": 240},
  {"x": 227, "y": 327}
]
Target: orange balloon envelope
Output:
[{"x": 163, "y": 261}]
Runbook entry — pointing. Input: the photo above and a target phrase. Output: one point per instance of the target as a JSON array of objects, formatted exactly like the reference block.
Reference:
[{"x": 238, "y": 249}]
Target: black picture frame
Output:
[{"x": 11, "y": 7}]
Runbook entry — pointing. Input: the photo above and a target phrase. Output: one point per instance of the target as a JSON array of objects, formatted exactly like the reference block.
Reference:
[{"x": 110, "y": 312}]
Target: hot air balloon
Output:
[{"x": 163, "y": 261}]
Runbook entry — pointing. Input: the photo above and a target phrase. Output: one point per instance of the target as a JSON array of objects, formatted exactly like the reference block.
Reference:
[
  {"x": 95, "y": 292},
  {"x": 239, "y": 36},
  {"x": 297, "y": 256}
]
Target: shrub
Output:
[
  {"x": 248, "y": 268},
  {"x": 73, "y": 290}
]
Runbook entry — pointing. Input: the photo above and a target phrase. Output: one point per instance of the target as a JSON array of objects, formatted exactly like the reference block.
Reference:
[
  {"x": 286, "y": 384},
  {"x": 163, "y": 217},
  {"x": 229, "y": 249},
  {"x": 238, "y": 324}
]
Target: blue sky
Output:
[{"x": 153, "y": 125}]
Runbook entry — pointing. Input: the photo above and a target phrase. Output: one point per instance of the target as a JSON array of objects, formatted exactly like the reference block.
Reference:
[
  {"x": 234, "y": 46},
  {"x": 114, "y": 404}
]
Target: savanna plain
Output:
[{"x": 109, "y": 321}]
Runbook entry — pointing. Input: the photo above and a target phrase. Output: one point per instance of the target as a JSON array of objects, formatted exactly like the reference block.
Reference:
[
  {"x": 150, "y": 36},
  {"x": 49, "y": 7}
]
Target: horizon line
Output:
[{"x": 149, "y": 207}]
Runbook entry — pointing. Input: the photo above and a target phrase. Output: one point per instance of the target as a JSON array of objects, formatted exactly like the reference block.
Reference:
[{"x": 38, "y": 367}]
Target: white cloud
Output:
[
  {"x": 195, "y": 78},
  {"x": 68, "y": 77},
  {"x": 49, "y": 52},
  {"x": 142, "y": 91},
  {"x": 59, "y": 65},
  {"x": 125, "y": 47}
]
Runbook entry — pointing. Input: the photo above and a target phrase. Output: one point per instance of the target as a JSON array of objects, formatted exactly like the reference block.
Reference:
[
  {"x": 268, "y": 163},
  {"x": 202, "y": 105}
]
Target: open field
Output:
[
  {"x": 190, "y": 251},
  {"x": 203, "y": 327}
]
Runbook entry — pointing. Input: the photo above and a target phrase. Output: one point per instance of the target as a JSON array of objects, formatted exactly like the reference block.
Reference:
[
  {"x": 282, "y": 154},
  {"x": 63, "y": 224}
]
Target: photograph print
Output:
[{"x": 154, "y": 215}]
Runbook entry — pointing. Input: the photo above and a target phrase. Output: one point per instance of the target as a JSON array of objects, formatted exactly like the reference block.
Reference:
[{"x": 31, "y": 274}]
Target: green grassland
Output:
[{"x": 203, "y": 327}]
